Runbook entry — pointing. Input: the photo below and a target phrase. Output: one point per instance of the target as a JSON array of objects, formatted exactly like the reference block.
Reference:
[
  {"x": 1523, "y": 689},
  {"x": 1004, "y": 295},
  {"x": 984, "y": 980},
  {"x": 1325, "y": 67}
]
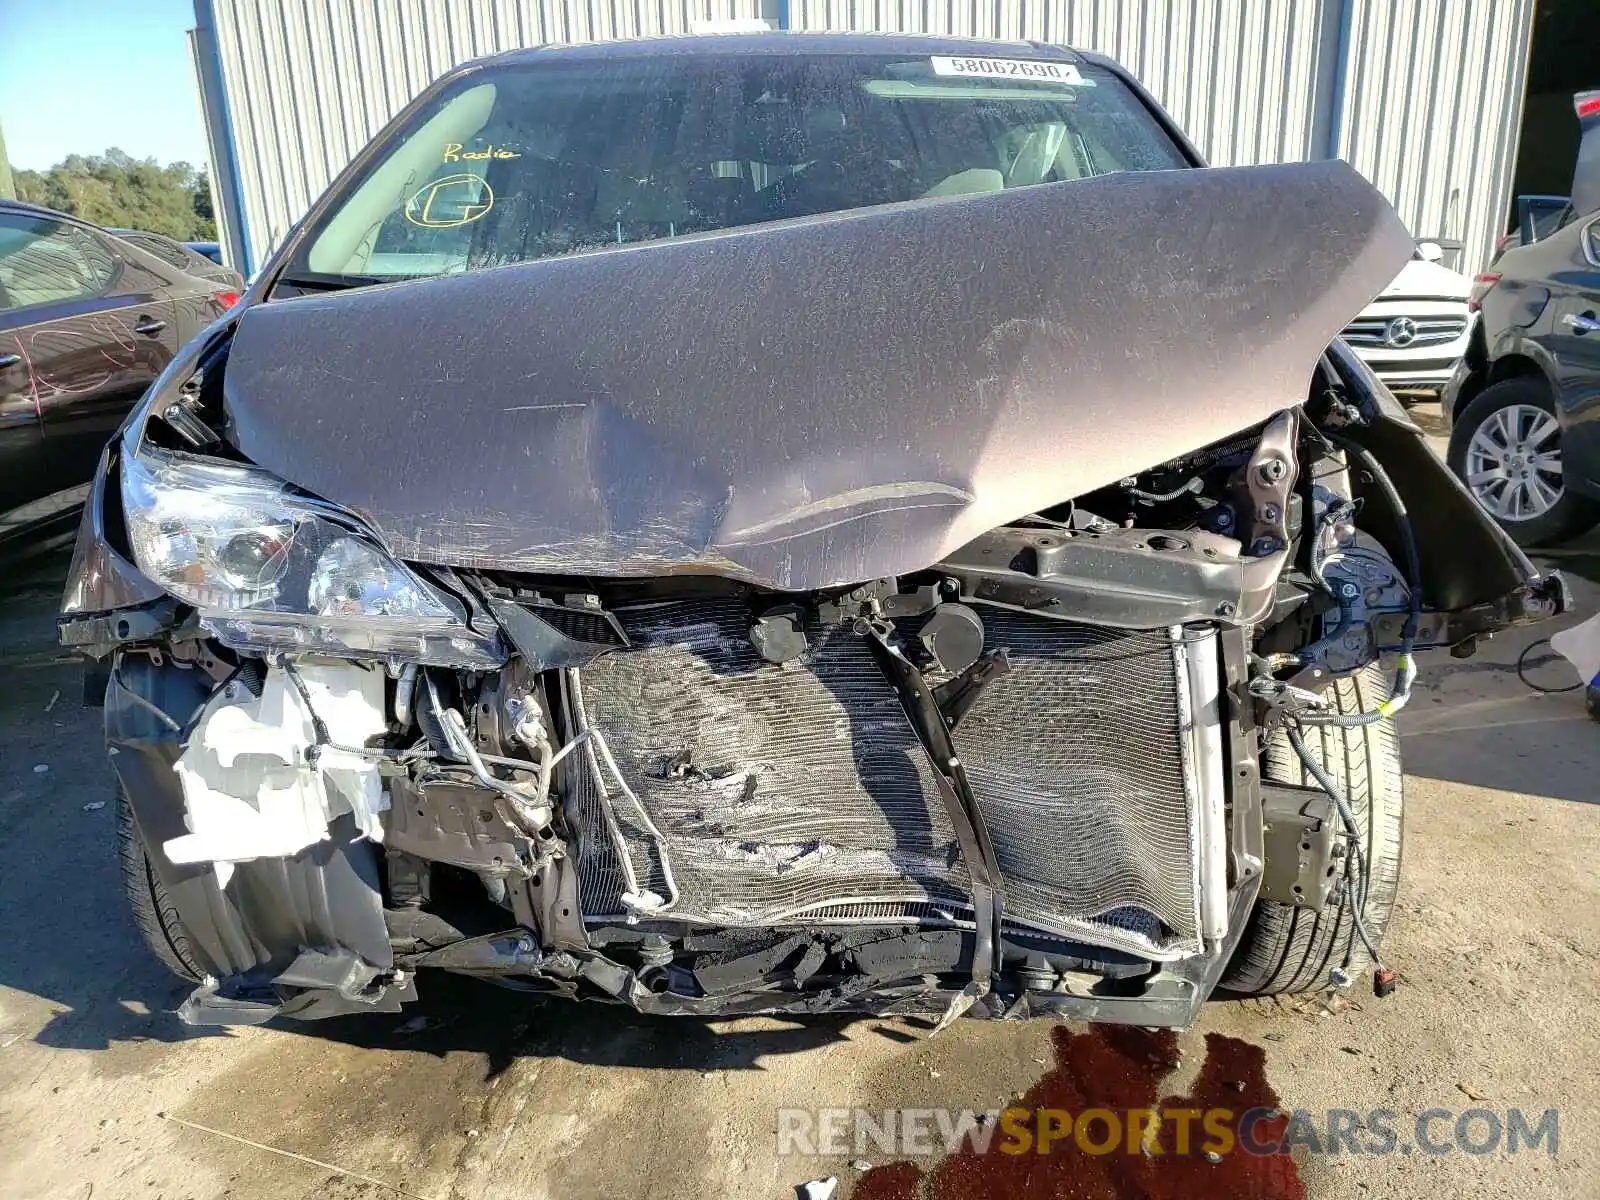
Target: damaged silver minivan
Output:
[{"x": 782, "y": 524}]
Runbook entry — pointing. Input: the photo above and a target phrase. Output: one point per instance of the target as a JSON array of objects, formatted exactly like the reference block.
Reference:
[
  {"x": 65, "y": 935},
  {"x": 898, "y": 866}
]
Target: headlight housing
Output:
[{"x": 269, "y": 568}]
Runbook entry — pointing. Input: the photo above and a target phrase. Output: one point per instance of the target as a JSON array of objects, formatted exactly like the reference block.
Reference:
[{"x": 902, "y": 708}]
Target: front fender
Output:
[
  {"x": 277, "y": 919},
  {"x": 1473, "y": 574},
  {"x": 1516, "y": 343}
]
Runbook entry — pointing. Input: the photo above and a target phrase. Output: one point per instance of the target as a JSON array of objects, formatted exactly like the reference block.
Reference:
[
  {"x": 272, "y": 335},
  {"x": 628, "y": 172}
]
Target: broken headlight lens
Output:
[{"x": 269, "y": 568}]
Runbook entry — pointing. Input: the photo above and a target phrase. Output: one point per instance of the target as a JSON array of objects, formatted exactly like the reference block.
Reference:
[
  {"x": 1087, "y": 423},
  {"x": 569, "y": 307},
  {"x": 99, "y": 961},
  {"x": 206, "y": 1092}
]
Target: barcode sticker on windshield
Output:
[{"x": 1011, "y": 68}]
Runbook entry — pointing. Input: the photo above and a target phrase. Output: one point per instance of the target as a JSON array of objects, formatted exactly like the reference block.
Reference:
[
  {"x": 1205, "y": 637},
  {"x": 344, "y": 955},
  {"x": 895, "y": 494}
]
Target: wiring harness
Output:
[
  {"x": 1356, "y": 864},
  {"x": 1296, "y": 722}
]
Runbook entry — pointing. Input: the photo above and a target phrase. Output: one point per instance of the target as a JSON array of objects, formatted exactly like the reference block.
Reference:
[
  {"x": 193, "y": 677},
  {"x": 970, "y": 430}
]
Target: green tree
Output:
[
  {"x": 115, "y": 189},
  {"x": 205, "y": 214}
]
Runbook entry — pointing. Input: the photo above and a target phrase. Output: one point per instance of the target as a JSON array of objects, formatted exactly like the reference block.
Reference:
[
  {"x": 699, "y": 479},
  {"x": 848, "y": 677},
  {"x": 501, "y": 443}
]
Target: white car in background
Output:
[{"x": 1417, "y": 329}]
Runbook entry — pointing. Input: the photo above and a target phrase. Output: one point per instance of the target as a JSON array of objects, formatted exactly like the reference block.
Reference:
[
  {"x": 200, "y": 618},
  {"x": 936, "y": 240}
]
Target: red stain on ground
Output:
[
  {"x": 888, "y": 1183},
  {"x": 1120, "y": 1068}
]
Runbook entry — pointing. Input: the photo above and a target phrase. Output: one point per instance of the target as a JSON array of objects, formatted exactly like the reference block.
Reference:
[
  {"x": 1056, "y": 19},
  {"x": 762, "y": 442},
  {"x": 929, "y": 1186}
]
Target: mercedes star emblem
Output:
[{"x": 1401, "y": 331}]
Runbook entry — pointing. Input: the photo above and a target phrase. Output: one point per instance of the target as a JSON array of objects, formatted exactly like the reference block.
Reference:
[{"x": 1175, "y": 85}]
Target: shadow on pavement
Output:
[
  {"x": 67, "y": 943},
  {"x": 1474, "y": 721}
]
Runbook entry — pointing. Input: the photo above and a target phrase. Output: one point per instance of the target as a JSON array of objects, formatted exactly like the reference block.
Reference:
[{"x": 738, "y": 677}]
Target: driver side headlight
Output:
[{"x": 269, "y": 568}]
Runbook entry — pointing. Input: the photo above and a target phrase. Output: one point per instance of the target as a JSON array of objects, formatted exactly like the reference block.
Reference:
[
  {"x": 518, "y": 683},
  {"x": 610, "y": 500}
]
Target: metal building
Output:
[{"x": 1423, "y": 96}]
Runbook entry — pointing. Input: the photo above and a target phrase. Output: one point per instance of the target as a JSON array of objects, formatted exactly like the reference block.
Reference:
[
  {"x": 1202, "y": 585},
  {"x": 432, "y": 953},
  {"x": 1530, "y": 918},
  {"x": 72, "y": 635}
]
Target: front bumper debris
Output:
[
  {"x": 262, "y": 778},
  {"x": 251, "y": 937},
  {"x": 286, "y": 903}
]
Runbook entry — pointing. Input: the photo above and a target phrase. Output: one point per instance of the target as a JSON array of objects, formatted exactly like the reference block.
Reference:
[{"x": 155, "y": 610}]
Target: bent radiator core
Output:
[{"x": 799, "y": 792}]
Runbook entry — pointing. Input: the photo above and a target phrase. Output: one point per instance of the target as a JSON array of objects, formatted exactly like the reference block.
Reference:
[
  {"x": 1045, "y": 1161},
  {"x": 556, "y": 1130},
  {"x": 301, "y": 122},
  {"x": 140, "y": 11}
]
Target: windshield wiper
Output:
[{"x": 338, "y": 283}]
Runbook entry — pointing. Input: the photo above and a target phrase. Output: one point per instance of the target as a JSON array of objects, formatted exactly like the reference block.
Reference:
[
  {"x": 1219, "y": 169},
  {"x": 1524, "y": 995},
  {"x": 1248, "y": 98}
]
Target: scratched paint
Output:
[
  {"x": 98, "y": 347},
  {"x": 1118, "y": 1068}
]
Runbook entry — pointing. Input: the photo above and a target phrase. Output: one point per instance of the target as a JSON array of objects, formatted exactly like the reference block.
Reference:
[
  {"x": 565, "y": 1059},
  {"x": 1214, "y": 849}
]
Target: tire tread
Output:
[
  {"x": 153, "y": 912},
  {"x": 1287, "y": 949}
]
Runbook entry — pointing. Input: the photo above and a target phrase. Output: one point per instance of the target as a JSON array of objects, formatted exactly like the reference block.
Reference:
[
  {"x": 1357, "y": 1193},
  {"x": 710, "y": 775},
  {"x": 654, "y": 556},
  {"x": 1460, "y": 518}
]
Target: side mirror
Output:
[{"x": 1430, "y": 251}]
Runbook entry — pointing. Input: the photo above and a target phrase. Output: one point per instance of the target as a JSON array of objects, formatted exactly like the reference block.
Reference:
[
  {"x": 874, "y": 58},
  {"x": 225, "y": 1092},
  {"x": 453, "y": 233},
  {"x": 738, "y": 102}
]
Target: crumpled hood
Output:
[{"x": 813, "y": 402}]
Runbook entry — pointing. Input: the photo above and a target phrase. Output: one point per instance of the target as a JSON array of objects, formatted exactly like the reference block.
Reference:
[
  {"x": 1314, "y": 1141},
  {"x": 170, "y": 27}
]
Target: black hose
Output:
[
  {"x": 1194, "y": 485},
  {"x": 1353, "y": 831},
  {"x": 1408, "y": 634},
  {"x": 1336, "y": 512},
  {"x": 1522, "y": 660},
  {"x": 1408, "y": 536},
  {"x": 319, "y": 731}
]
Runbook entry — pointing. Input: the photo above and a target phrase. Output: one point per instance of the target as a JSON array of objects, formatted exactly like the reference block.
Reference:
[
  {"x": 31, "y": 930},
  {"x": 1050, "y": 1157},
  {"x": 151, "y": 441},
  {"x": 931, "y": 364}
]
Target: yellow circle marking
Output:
[{"x": 419, "y": 209}]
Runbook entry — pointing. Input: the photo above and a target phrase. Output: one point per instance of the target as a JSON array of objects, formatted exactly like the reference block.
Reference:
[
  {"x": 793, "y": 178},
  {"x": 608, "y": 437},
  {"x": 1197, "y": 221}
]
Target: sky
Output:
[{"x": 81, "y": 76}]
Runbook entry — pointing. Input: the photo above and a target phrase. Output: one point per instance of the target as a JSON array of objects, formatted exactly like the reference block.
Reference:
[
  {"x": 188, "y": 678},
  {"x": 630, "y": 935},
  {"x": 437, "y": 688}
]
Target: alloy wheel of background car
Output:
[
  {"x": 1506, "y": 447},
  {"x": 1514, "y": 463}
]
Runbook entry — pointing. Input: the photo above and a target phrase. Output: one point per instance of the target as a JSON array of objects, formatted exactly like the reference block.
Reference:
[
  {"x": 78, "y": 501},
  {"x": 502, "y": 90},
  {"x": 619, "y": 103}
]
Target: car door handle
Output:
[
  {"x": 9, "y": 360},
  {"x": 149, "y": 325},
  {"x": 1582, "y": 322}
]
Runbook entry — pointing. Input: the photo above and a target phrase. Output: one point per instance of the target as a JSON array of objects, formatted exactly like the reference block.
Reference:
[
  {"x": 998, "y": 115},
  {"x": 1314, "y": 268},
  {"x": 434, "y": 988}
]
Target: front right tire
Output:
[{"x": 1286, "y": 948}]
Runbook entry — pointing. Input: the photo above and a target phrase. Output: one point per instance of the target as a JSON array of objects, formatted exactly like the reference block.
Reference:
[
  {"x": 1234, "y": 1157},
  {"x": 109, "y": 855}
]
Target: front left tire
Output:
[{"x": 154, "y": 915}]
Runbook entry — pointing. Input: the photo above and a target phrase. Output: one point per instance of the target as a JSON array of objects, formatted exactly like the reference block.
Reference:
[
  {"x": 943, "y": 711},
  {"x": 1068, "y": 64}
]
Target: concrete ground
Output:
[{"x": 490, "y": 1094}]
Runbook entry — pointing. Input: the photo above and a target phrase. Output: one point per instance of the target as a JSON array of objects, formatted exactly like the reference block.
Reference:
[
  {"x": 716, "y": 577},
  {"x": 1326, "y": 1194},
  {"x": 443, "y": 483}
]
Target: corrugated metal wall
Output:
[
  {"x": 308, "y": 82},
  {"x": 1423, "y": 96},
  {"x": 1430, "y": 108}
]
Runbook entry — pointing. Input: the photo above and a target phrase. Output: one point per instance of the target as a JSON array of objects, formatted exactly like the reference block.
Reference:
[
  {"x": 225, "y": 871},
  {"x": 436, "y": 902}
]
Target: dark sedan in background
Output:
[
  {"x": 1524, "y": 403},
  {"x": 87, "y": 320},
  {"x": 188, "y": 257}
]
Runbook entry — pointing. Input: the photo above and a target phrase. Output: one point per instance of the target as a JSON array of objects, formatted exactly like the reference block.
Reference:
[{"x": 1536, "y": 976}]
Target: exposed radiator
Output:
[{"x": 800, "y": 792}]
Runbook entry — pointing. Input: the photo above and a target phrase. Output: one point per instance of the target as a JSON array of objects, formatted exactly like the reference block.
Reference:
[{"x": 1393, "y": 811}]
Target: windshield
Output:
[{"x": 532, "y": 161}]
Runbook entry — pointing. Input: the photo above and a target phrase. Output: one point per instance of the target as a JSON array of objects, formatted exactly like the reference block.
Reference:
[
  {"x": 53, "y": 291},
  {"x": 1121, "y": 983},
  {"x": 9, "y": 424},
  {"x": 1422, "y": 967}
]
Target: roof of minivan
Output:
[{"x": 794, "y": 43}]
